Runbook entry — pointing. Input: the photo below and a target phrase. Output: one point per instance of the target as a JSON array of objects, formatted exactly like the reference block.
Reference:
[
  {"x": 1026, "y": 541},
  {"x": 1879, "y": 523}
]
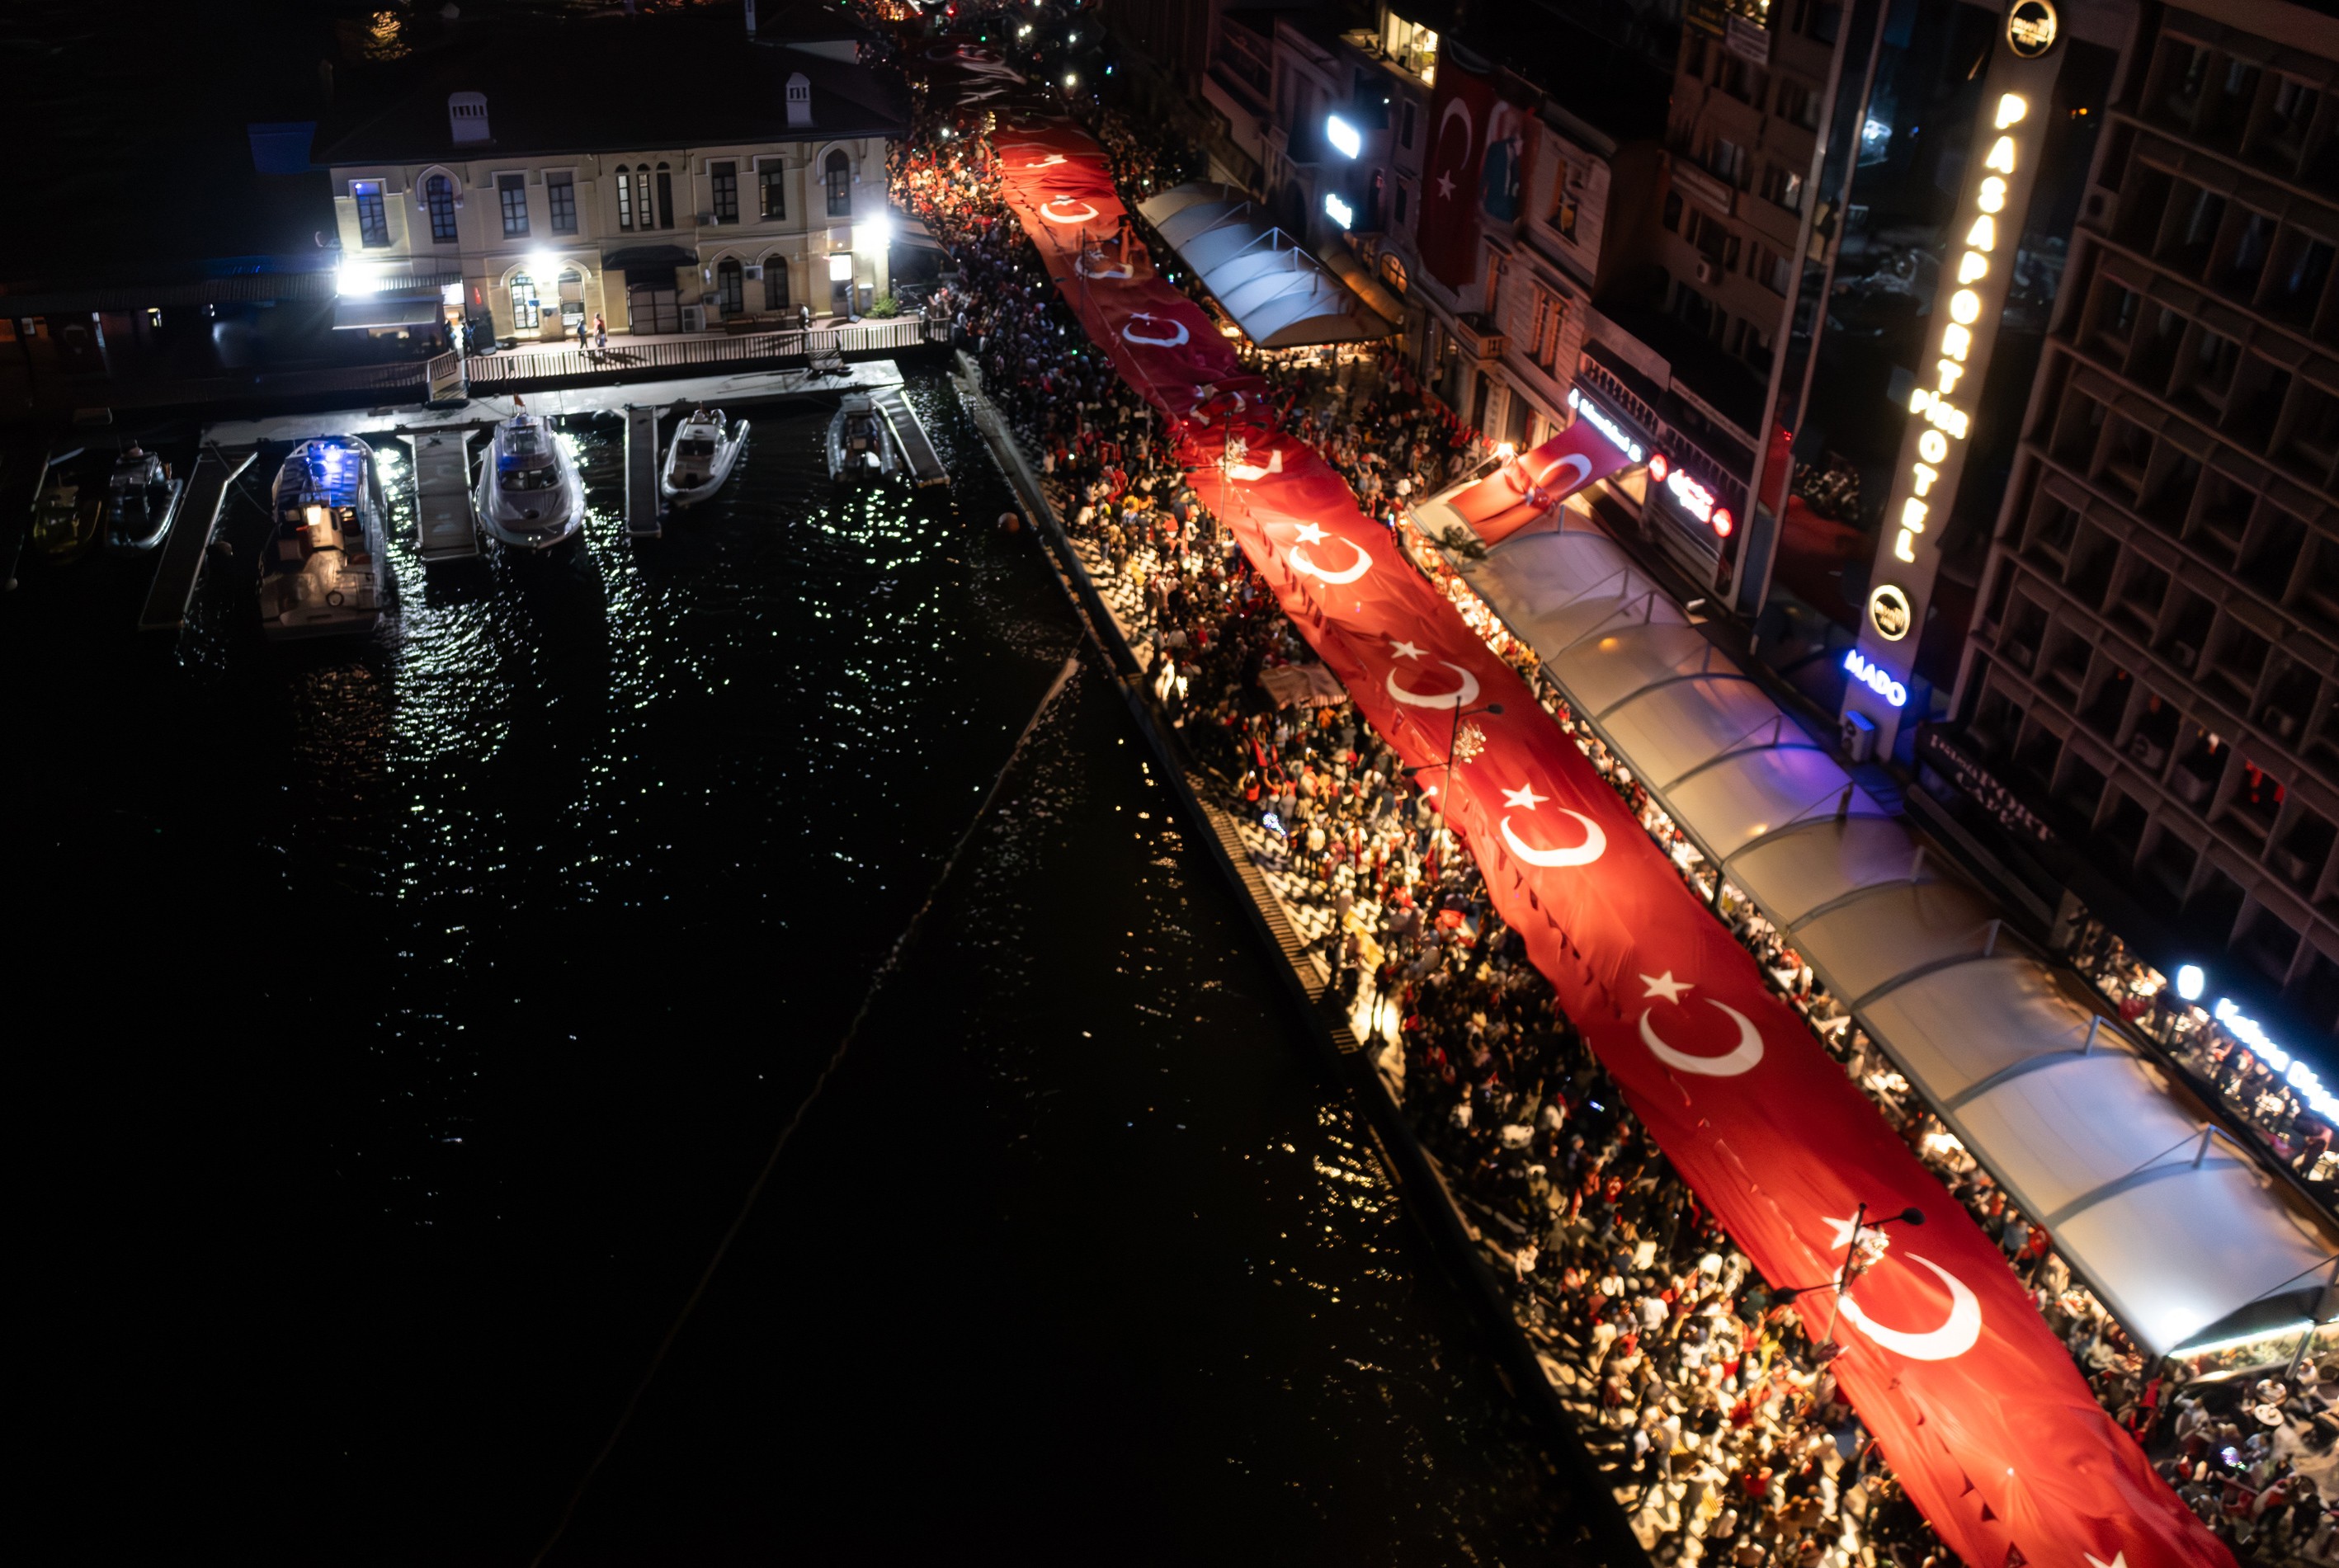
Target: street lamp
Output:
[
  {"x": 1912, "y": 1214},
  {"x": 1459, "y": 748}
]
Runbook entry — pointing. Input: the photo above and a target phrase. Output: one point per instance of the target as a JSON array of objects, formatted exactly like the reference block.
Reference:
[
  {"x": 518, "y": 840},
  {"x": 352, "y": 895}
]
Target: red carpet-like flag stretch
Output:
[{"x": 1978, "y": 1407}]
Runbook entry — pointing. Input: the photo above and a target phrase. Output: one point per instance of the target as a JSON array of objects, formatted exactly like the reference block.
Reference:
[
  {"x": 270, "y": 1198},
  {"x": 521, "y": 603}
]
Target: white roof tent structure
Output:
[
  {"x": 2187, "y": 1242},
  {"x": 1279, "y": 295}
]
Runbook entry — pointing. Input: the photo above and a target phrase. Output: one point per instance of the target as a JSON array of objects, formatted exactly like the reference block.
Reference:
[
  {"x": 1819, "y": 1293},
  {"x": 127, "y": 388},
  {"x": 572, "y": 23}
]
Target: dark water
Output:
[{"x": 401, "y": 1025}]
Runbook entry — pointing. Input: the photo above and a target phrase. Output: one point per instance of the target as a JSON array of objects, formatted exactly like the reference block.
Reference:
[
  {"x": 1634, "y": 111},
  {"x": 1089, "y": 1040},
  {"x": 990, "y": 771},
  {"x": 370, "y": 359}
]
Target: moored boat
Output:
[
  {"x": 531, "y": 496},
  {"x": 65, "y": 517},
  {"x": 701, "y": 456},
  {"x": 141, "y": 501},
  {"x": 324, "y": 569},
  {"x": 861, "y": 441}
]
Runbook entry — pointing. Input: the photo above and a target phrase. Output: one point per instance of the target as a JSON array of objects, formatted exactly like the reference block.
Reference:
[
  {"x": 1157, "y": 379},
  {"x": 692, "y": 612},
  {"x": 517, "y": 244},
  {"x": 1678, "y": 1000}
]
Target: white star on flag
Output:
[
  {"x": 1524, "y": 797},
  {"x": 2119, "y": 1560},
  {"x": 1446, "y": 186},
  {"x": 1664, "y": 985},
  {"x": 1310, "y": 534},
  {"x": 1843, "y": 1229},
  {"x": 1405, "y": 650}
]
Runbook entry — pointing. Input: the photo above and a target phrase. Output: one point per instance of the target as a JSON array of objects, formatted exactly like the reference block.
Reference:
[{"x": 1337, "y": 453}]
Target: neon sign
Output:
[
  {"x": 2295, "y": 1072},
  {"x": 1943, "y": 410},
  {"x": 1876, "y": 679},
  {"x": 1339, "y": 211},
  {"x": 1605, "y": 425}
]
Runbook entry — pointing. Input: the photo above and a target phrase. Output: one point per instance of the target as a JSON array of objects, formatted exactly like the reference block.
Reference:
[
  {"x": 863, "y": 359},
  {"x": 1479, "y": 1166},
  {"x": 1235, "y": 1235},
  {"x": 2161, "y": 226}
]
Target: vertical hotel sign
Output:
[{"x": 1985, "y": 233}]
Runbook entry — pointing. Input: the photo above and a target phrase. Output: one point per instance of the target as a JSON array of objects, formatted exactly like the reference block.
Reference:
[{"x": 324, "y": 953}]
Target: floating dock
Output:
[
  {"x": 443, "y": 521},
  {"x": 181, "y": 565},
  {"x": 910, "y": 434},
  {"x": 566, "y": 402},
  {"x": 645, "y": 508}
]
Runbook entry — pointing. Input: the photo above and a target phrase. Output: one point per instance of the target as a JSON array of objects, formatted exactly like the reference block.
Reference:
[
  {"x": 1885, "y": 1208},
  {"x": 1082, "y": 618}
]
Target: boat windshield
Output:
[
  {"x": 543, "y": 479},
  {"x": 695, "y": 448}
]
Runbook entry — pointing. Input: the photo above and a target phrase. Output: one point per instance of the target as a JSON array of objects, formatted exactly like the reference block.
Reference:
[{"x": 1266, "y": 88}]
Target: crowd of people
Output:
[{"x": 1704, "y": 1388}]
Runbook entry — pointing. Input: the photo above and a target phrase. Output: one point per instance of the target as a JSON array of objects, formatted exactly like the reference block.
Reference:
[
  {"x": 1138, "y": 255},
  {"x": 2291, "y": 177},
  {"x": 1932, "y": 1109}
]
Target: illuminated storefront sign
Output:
[
  {"x": 1982, "y": 240},
  {"x": 1337, "y": 208},
  {"x": 1600, "y": 421},
  {"x": 1875, "y": 679}
]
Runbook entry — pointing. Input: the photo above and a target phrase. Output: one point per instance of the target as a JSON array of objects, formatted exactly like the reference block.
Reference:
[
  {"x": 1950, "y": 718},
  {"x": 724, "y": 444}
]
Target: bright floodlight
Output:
[
  {"x": 873, "y": 236},
  {"x": 2190, "y": 982},
  {"x": 1344, "y": 136},
  {"x": 356, "y": 277}
]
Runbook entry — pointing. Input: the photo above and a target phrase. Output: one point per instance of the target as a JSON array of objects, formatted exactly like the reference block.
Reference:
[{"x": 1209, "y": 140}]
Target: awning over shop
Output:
[
  {"x": 647, "y": 258},
  {"x": 2084, "y": 1134},
  {"x": 353, "y": 311},
  {"x": 1277, "y": 293}
]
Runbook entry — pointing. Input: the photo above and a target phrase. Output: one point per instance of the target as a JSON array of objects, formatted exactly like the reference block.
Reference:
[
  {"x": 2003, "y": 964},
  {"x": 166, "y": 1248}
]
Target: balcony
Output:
[{"x": 1478, "y": 337}]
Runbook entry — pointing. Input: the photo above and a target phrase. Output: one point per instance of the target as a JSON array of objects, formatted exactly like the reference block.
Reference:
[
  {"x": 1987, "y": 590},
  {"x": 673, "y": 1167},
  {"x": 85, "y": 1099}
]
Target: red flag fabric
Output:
[
  {"x": 1461, "y": 117},
  {"x": 1528, "y": 489},
  {"x": 1977, "y": 1405}
]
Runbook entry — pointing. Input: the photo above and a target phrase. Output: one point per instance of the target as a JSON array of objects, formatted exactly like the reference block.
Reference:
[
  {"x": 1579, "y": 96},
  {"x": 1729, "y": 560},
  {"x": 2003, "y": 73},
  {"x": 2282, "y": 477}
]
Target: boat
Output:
[
  {"x": 700, "y": 459},
  {"x": 65, "y": 517},
  {"x": 324, "y": 567},
  {"x": 141, "y": 501},
  {"x": 530, "y": 495},
  {"x": 861, "y": 444}
]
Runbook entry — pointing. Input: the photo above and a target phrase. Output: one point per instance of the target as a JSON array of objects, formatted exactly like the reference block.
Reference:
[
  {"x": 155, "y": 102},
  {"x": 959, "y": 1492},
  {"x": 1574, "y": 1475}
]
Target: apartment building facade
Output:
[{"x": 2154, "y": 669}]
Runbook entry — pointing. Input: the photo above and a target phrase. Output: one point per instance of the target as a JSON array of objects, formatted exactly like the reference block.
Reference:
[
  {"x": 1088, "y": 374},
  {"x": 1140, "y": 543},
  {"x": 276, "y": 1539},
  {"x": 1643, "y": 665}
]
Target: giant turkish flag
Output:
[
  {"x": 1461, "y": 116},
  {"x": 1978, "y": 1407},
  {"x": 1527, "y": 490}
]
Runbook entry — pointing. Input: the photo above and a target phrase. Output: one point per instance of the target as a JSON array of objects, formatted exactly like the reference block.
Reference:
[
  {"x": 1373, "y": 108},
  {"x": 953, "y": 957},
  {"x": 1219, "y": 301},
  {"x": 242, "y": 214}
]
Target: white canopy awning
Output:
[
  {"x": 1278, "y": 294},
  {"x": 2088, "y": 1137}
]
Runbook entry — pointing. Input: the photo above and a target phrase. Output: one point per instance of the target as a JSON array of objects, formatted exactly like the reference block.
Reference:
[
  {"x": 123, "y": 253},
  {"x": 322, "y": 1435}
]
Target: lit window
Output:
[
  {"x": 776, "y": 192},
  {"x": 439, "y": 195},
  {"x": 373, "y": 214},
  {"x": 560, "y": 201},
  {"x": 725, "y": 179},
  {"x": 624, "y": 198},
  {"x": 527, "y": 315},
  {"x": 511, "y": 191},
  {"x": 837, "y": 172}
]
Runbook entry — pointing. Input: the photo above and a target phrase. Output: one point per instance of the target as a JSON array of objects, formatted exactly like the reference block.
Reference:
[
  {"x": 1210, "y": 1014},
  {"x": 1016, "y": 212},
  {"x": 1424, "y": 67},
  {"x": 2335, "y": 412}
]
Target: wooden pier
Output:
[
  {"x": 181, "y": 565},
  {"x": 444, "y": 524},
  {"x": 910, "y": 434},
  {"x": 645, "y": 508}
]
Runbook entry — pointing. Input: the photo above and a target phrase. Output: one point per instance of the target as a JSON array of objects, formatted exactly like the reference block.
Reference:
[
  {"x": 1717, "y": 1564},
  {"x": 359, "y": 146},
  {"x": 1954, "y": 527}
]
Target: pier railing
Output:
[{"x": 515, "y": 369}]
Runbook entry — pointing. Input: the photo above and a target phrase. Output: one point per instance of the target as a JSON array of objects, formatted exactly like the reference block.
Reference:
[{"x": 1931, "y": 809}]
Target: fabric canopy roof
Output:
[
  {"x": 1278, "y": 294},
  {"x": 353, "y": 311},
  {"x": 2090, "y": 1139}
]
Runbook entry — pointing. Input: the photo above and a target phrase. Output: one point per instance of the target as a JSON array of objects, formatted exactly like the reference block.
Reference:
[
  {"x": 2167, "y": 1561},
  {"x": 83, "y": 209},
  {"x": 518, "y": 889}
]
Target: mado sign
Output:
[{"x": 1876, "y": 679}]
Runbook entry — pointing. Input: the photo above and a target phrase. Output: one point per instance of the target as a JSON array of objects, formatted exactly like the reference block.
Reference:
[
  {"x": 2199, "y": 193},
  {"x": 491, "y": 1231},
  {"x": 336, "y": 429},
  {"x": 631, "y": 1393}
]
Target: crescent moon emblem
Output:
[
  {"x": 1470, "y": 129},
  {"x": 1136, "y": 336},
  {"x": 1954, "y": 1338},
  {"x": 1595, "y": 845},
  {"x": 1088, "y": 272},
  {"x": 1458, "y": 699},
  {"x": 1050, "y": 161},
  {"x": 1301, "y": 563},
  {"x": 1576, "y": 460},
  {"x": 1085, "y": 214},
  {"x": 1742, "y": 1058}
]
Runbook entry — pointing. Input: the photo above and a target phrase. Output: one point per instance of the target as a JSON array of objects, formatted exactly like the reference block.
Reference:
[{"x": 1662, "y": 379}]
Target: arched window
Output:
[
  {"x": 644, "y": 214},
  {"x": 439, "y": 195},
  {"x": 837, "y": 172},
  {"x": 528, "y": 316},
  {"x": 665, "y": 197},
  {"x": 1393, "y": 272},
  {"x": 775, "y": 283},
  {"x": 624, "y": 198},
  {"x": 728, "y": 289}
]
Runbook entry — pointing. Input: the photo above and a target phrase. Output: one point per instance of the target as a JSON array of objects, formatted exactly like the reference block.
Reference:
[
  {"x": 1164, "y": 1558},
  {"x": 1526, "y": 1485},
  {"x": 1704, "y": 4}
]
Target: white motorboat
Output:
[
  {"x": 700, "y": 457},
  {"x": 530, "y": 495},
  {"x": 861, "y": 441},
  {"x": 323, "y": 570}
]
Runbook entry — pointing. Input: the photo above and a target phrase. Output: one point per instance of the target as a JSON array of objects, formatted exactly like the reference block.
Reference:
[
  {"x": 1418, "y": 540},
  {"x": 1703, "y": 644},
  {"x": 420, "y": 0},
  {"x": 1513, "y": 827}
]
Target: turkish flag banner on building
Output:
[
  {"x": 1461, "y": 117},
  {"x": 1529, "y": 488},
  {"x": 1977, "y": 1405}
]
